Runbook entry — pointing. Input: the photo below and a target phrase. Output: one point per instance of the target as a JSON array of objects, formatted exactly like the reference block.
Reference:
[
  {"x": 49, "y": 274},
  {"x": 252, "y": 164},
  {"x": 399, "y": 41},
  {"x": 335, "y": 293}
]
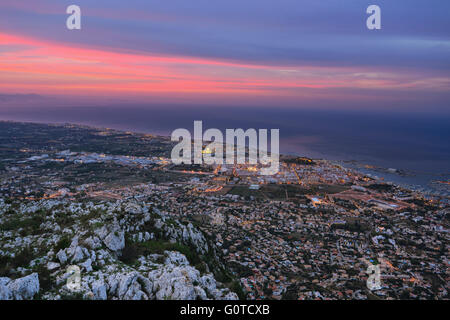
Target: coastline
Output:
[{"x": 429, "y": 184}]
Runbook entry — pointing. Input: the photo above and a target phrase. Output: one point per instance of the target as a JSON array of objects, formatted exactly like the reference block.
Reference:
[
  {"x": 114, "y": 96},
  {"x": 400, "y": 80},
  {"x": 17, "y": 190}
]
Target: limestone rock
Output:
[
  {"x": 113, "y": 237},
  {"x": 62, "y": 257},
  {"x": 115, "y": 241},
  {"x": 24, "y": 288},
  {"x": 87, "y": 265},
  {"x": 99, "y": 290},
  {"x": 5, "y": 292},
  {"x": 52, "y": 266}
]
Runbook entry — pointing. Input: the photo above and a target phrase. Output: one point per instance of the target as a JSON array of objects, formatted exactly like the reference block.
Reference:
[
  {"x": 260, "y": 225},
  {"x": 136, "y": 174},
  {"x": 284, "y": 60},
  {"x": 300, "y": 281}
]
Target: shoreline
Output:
[
  {"x": 408, "y": 179},
  {"x": 389, "y": 175}
]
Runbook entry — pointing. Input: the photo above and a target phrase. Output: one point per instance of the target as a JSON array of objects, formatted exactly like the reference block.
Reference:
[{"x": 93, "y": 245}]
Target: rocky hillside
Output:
[{"x": 121, "y": 250}]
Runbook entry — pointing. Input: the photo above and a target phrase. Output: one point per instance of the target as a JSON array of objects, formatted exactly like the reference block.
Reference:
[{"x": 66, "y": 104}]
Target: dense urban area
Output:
[{"x": 137, "y": 226}]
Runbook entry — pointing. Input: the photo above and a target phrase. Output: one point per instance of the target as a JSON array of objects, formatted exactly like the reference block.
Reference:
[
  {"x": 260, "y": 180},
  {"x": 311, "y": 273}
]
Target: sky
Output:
[{"x": 272, "y": 53}]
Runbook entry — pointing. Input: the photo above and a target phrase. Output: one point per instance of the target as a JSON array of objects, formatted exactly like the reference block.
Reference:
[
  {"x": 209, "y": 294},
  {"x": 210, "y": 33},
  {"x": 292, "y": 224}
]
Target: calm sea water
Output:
[{"x": 416, "y": 143}]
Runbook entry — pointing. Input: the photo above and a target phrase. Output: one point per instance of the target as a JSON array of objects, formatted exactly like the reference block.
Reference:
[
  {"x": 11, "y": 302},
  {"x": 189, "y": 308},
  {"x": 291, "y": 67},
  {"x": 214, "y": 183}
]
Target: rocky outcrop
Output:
[
  {"x": 95, "y": 248},
  {"x": 171, "y": 278},
  {"x": 20, "y": 289},
  {"x": 62, "y": 257},
  {"x": 5, "y": 292},
  {"x": 180, "y": 281},
  {"x": 113, "y": 237},
  {"x": 99, "y": 290}
]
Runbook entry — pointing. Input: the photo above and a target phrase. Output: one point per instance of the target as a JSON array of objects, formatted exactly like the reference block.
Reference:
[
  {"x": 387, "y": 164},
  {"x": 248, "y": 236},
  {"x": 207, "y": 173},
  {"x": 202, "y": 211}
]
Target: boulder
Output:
[
  {"x": 115, "y": 241},
  {"x": 175, "y": 258},
  {"x": 62, "y": 257},
  {"x": 93, "y": 242},
  {"x": 112, "y": 236},
  {"x": 24, "y": 288},
  {"x": 99, "y": 290},
  {"x": 77, "y": 255},
  {"x": 52, "y": 266},
  {"x": 87, "y": 265},
  {"x": 125, "y": 283},
  {"x": 175, "y": 283},
  {"x": 5, "y": 292}
]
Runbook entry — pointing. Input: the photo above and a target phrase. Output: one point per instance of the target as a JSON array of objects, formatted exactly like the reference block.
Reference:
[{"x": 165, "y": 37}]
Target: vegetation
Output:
[
  {"x": 21, "y": 259},
  {"x": 133, "y": 250},
  {"x": 30, "y": 225},
  {"x": 63, "y": 243}
]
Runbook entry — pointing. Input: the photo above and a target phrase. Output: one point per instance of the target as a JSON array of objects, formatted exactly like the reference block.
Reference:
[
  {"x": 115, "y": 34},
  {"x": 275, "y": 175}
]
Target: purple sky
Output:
[{"x": 293, "y": 53}]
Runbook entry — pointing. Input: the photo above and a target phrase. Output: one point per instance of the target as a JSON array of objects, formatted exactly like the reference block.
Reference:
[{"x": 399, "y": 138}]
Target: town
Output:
[{"x": 308, "y": 232}]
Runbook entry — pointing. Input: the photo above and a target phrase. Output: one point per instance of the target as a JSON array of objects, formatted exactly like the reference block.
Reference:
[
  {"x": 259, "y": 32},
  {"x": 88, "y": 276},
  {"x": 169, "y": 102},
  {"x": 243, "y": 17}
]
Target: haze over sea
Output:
[{"x": 415, "y": 142}]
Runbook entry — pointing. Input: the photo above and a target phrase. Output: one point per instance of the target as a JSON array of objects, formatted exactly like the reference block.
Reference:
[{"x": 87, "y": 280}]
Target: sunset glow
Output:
[{"x": 57, "y": 66}]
